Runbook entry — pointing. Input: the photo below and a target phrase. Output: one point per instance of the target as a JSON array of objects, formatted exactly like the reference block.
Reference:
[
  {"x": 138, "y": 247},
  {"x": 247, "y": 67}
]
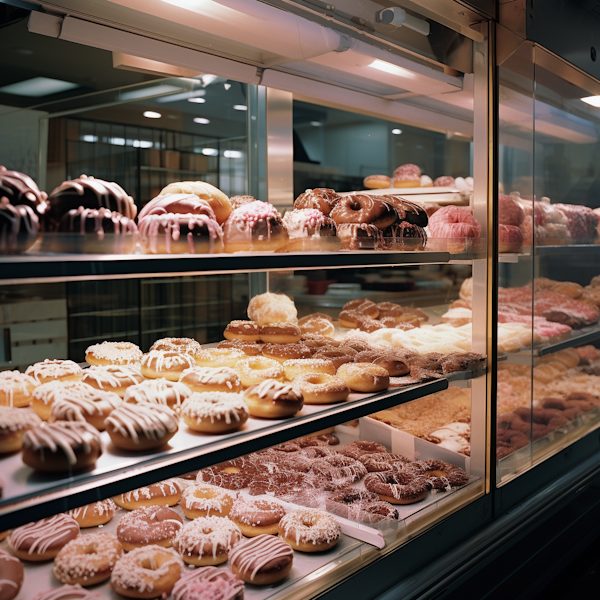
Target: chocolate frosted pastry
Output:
[
  {"x": 19, "y": 226},
  {"x": 310, "y": 229},
  {"x": 323, "y": 199},
  {"x": 19, "y": 188},
  {"x": 404, "y": 236},
  {"x": 364, "y": 209},
  {"x": 408, "y": 211},
  {"x": 360, "y": 236}
]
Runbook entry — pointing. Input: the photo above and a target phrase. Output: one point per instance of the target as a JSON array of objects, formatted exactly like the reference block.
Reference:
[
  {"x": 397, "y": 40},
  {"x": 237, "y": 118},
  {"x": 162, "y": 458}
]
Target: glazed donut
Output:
[
  {"x": 337, "y": 471},
  {"x": 89, "y": 405},
  {"x": 209, "y": 582},
  {"x": 148, "y": 572},
  {"x": 363, "y": 209},
  {"x": 440, "y": 475},
  {"x": 214, "y": 412},
  {"x": 42, "y": 540},
  {"x": 280, "y": 333},
  {"x": 177, "y": 344},
  {"x": 364, "y": 377},
  {"x": 323, "y": 199},
  {"x": 163, "y": 493},
  {"x": 149, "y": 525},
  {"x": 217, "y": 200},
  {"x": 209, "y": 379},
  {"x": 397, "y": 487},
  {"x": 257, "y": 517},
  {"x": 317, "y": 325},
  {"x": 338, "y": 356},
  {"x": 112, "y": 378},
  {"x": 256, "y": 369},
  {"x": 272, "y": 308},
  {"x": 262, "y": 560},
  {"x": 142, "y": 426},
  {"x": 87, "y": 560},
  {"x": 248, "y": 348},
  {"x": 219, "y": 357},
  {"x": 302, "y": 366},
  {"x": 11, "y": 575},
  {"x": 15, "y": 389},
  {"x": 310, "y": 230},
  {"x": 407, "y": 176},
  {"x": 207, "y": 541},
  {"x": 50, "y": 370},
  {"x": 272, "y": 399},
  {"x": 394, "y": 363},
  {"x": 113, "y": 353},
  {"x": 242, "y": 330},
  {"x": 67, "y": 592},
  {"x": 63, "y": 446},
  {"x": 360, "y": 236},
  {"x": 158, "y": 391},
  {"x": 204, "y": 500},
  {"x": 377, "y": 182},
  {"x": 14, "y": 422},
  {"x": 232, "y": 475},
  {"x": 321, "y": 388},
  {"x": 166, "y": 364},
  {"x": 361, "y": 448},
  {"x": 310, "y": 530},
  {"x": 95, "y": 514},
  {"x": 284, "y": 352},
  {"x": 362, "y": 306}
]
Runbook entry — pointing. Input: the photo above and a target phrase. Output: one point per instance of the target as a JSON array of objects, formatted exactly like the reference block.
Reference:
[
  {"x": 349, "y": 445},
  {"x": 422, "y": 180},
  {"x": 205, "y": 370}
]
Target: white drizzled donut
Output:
[
  {"x": 265, "y": 553},
  {"x": 36, "y": 539},
  {"x": 158, "y": 391},
  {"x": 48, "y": 370},
  {"x": 152, "y": 421},
  {"x": 15, "y": 388},
  {"x": 225, "y": 585},
  {"x": 114, "y": 353}
]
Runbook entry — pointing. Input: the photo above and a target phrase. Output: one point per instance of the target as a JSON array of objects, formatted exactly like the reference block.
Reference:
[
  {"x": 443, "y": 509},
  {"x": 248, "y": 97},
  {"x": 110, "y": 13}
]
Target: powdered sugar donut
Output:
[
  {"x": 255, "y": 369},
  {"x": 364, "y": 377},
  {"x": 272, "y": 308},
  {"x": 149, "y": 525},
  {"x": 301, "y": 366},
  {"x": 214, "y": 412}
]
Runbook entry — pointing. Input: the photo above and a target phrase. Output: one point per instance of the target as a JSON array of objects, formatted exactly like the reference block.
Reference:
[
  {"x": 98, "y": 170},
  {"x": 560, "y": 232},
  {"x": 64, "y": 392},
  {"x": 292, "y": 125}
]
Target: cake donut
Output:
[
  {"x": 218, "y": 201},
  {"x": 219, "y": 357},
  {"x": 112, "y": 378},
  {"x": 50, "y": 370},
  {"x": 14, "y": 422},
  {"x": 149, "y": 525},
  {"x": 249, "y": 331},
  {"x": 148, "y": 572},
  {"x": 364, "y": 377},
  {"x": 113, "y": 353},
  {"x": 323, "y": 199},
  {"x": 317, "y": 325},
  {"x": 272, "y": 308},
  {"x": 11, "y": 576},
  {"x": 88, "y": 559},
  {"x": 166, "y": 364},
  {"x": 163, "y": 493},
  {"x": 262, "y": 560},
  {"x": 302, "y": 366},
  {"x": 207, "y": 541},
  {"x": 67, "y": 592},
  {"x": 232, "y": 475},
  {"x": 211, "y": 379},
  {"x": 214, "y": 412},
  {"x": 15, "y": 389},
  {"x": 256, "y": 516},
  {"x": 256, "y": 369},
  {"x": 397, "y": 487},
  {"x": 90, "y": 405},
  {"x": 208, "y": 582},
  {"x": 42, "y": 540},
  {"x": 363, "y": 209},
  {"x": 142, "y": 426},
  {"x": 158, "y": 391},
  {"x": 205, "y": 500},
  {"x": 321, "y": 388},
  {"x": 309, "y": 530},
  {"x": 272, "y": 399},
  {"x": 248, "y": 348},
  {"x": 177, "y": 344},
  {"x": 310, "y": 230},
  {"x": 95, "y": 514},
  {"x": 407, "y": 176},
  {"x": 280, "y": 333},
  {"x": 62, "y": 446},
  {"x": 285, "y": 352},
  {"x": 377, "y": 182}
]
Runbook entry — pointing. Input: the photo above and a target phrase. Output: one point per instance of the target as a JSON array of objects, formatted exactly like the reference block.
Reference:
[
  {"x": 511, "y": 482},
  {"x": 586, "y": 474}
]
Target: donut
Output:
[
  {"x": 88, "y": 559},
  {"x": 207, "y": 541},
  {"x": 204, "y": 500},
  {"x": 142, "y": 426},
  {"x": 323, "y": 199},
  {"x": 112, "y": 378},
  {"x": 209, "y": 379},
  {"x": 397, "y": 487},
  {"x": 377, "y": 182},
  {"x": 426, "y": 181},
  {"x": 219, "y": 357},
  {"x": 363, "y": 307},
  {"x": 310, "y": 230},
  {"x": 15, "y": 389},
  {"x": 177, "y": 344},
  {"x": 242, "y": 330},
  {"x": 310, "y": 530},
  {"x": 441, "y": 475},
  {"x": 315, "y": 340},
  {"x": 444, "y": 181},
  {"x": 337, "y": 471},
  {"x": 321, "y": 388},
  {"x": 214, "y": 412},
  {"x": 262, "y": 560},
  {"x": 62, "y": 446},
  {"x": 166, "y": 364},
  {"x": 360, "y": 236},
  {"x": 361, "y": 448},
  {"x": 232, "y": 475},
  {"x": 42, "y": 540},
  {"x": 85, "y": 405},
  {"x": 381, "y": 461},
  {"x": 149, "y": 525},
  {"x": 394, "y": 363},
  {"x": 44, "y": 396},
  {"x": 237, "y": 201},
  {"x": 113, "y": 353},
  {"x": 14, "y": 422},
  {"x": 389, "y": 309},
  {"x": 454, "y": 223},
  {"x": 217, "y": 200},
  {"x": 284, "y": 352},
  {"x": 158, "y": 391},
  {"x": 148, "y": 572},
  {"x": 256, "y": 369},
  {"x": 11, "y": 575},
  {"x": 248, "y": 348},
  {"x": 50, "y": 370},
  {"x": 163, "y": 493},
  {"x": 407, "y": 176},
  {"x": 272, "y": 308},
  {"x": 364, "y": 377},
  {"x": 510, "y": 238},
  {"x": 254, "y": 227},
  {"x": 302, "y": 366},
  {"x": 19, "y": 188},
  {"x": 363, "y": 209},
  {"x": 280, "y": 333},
  {"x": 207, "y": 583},
  {"x": 354, "y": 320},
  {"x": 95, "y": 514},
  {"x": 317, "y": 315},
  {"x": 338, "y": 356},
  {"x": 317, "y": 325},
  {"x": 67, "y": 592},
  {"x": 257, "y": 517},
  {"x": 272, "y": 399},
  {"x": 358, "y": 505}
]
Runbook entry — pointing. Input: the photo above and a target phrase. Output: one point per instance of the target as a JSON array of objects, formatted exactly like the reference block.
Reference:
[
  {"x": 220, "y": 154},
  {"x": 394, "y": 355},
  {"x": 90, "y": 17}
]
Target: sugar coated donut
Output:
[
  {"x": 242, "y": 330},
  {"x": 208, "y": 582},
  {"x": 205, "y": 500},
  {"x": 272, "y": 308},
  {"x": 166, "y": 363},
  {"x": 214, "y": 412},
  {"x": 363, "y": 209},
  {"x": 11, "y": 576},
  {"x": 321, "y": 388},
  {"x": 219, "y": 357},
  {"x": 284, "y": 352},
  {"x": 272, "y": 399},
  {"x": 181, "y": 345},
  {"x": 62, "y": 446},
  {"x": 113, "y": 378},
  {"x": 302, "y": 366},
  {"x": 256, "y": 369},
  {"x": 248, "y": 348},
  {"x": 262, "y": 560},
  {"x": 211, "y": 379},
  {"x": 49, "y": 370},
  {"x": 397, "y": 487},
  {"x": 377, "y": 182},
  {"x": 14, "y": 422},
  {"x": 163, "y": 493},
  {"x": 310, "y": 530},
  {"x": 317, "y": 325},
  {"x": 232, "y": 475},
  {"x": 148, "y": 572},
  {"x": 257, "y": 517},
  {"x": 280, "y": 333},
  {"x": 158, "y": 391},
  {"x": 95, "y": 514},
  {"x": 149, "y": 525},
  {"x": 88, "y": 559},
  {"x": 67, "y": 592},
  {"x": 142, "y": 426},
  {"x": 42, "y": 540},
  {"x": 364, "y": 377},
  {"x": 81, "y": 403},
  {"x": 113, "y": 353},
  {"x": 16, "y": 389},
  {"x": 207, "y": 541}
]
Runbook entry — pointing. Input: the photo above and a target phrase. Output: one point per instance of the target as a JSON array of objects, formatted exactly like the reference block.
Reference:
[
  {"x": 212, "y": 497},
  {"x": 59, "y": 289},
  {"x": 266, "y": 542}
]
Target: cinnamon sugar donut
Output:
[
  {"x": 95, "y": 514},
  {"x": 242, "y": 330},
  {"x": 364, "y": 377},
  {"x": 254, "y": 227},
  {"x": 232, "y": 475},
  {"x": 209, "y": 379},
  {"x": 284, "y": 352},
  {"x": 272, "y": 308},
  {"x": 14, "y": 422},
  {"x": 261, "y": 560},
  {"x": 158, "y": 391},
  {"x": 214, "y": 412},
  {"x": 166, "y": 364},
  {"x": 302, "y": 366},
  {"x": 248, "y": 348},
  {"x": 323, "y": 199},
  {"x": 113, "y": 353},
  {"x": 257, "y": 517},
  {"x": 219, "y": 357},
  {"x": 112, "y": 378},
  {"x": 310, "y": 530},
  {"x": 321, "y": 388},
  {"x": 15, "y": 389},
  {"x": 272, "y": 399},
  {"x": 397, "y": 487},
  {"x": 364, "y": 209},
  {"x": 280, "y": 333},
  {"x": 149, "y": 525},
  {"x": 208, "y": 582},
  {"x": 177, "y": 344},
  {"x": 163, "y": 493},
  {"x": 83, "y": 403},
  {"x": 256, "y": 369},
  {"x": 204, "y": 500},
  {"x": 50, "y": 370},
  {"x": 11, "y": 576}
]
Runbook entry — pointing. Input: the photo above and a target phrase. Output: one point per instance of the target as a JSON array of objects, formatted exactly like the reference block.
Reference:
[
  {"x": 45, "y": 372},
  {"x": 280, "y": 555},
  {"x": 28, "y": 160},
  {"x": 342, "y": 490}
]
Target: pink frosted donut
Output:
[
  {"x": 408, "y": 175},
  {"x": 510, "y": 211},
  {"x": 510, "y": 238},
  {"x": 444, "y": 181},
  {"x": 453, "y": 222},
  {"x": 256, "y": 226}
]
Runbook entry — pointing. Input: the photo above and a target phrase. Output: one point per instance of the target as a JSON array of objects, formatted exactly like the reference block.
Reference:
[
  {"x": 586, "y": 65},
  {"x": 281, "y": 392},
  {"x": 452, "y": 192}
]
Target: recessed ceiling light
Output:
[
  {"x": 240, "y": 107},
  {"x": 382, "y": 65},
  {"x": 316, "y": 123},
  {"x": 151, "y": 114},
  {"x": 37, "y": 87},
  {"x": 210, "y": 151},
  {"x": 593, "y": 100},
  {"x": 201, "y": 120},
  {"x": 232, "y": 154},
  {"x": 396, "y": 131},
  {"x": 197, "y": 100}
]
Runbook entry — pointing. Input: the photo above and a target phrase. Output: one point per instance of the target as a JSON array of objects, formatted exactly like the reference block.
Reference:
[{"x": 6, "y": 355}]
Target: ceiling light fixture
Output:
[
  {"x": 232, "y": 154},
  {"x": 210, "y": 151},
  {"x": 316, "y": 123},
  {"x": 396, "y": 131},
  {"x": 197, "y": 100},
  {"x": 201, "y": 120},
  {"x": 382, "y": 65},
  {"x": 37, "y": 87},
  {"x": 592, "y": 100},
  {"x": 240, "y": 107},
  {"x": 151, "y": 114}
]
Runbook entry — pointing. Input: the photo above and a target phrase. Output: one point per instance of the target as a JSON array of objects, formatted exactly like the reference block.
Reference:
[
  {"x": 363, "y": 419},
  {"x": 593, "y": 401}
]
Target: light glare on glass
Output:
[
  {"x": 240, "y": 107},
  {"x": 151, "y": 114},
  {"x": 201, "y": 120},
  {"x": 232, "y": 154},
  {"x": 382, "y": 65},
  {"x": 197, "y": 100},
  {"x": 396, "y": 131},
  {"x": 592, "y": 100},
  {"x": 210, "y": 151}
]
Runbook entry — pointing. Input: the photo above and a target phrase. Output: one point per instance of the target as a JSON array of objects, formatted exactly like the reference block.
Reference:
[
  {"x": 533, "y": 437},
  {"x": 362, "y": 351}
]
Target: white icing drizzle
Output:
[
  {"x": 215, "y": 406},
  {"x": 270, "y": 388},
  {"x": 250, "y": 556},
  {"x": 153, "y": 421},
  {"x": 310, "y": 527},
  {"x": 53, "y": 369},
  {"x": 218, "y": 533},
  {"x": 211, "y": 375},
  {"x": 116, "y": 352},
  {"x": 158, "y": 391},
  {"x": 17, "y": 419},
  {"x": 15, "y": 381},
  {"x": 70, "y": 407},
  {"x": 169, "y": 487},
  {"x": 165, "y": 360},
  {"x": 298, "y": 222},
  {"x": 229, "y": 585},
  {"x": 41, "y": 535},
  {"x": 212, "y": 500},
  {"x": 102, "y": 507},
  {"x": 114, "y": 376}
]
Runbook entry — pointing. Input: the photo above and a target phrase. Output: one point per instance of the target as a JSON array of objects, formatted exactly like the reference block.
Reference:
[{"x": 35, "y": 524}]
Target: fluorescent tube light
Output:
[
  {"x": 201, "y": 120},
  {"x": 154, "y": 90},
  {"x": 240, "y": 107},
  {"x": 592, "y": 100},
  {"x": 151, "y": 114},
  {"x": 37, "y": 87},
  {"x": 197, "y": 100},
  {"x": 210, "y": 151},
  {"x": 232, "y": 154},
  {"x": 382, "y": 65}
]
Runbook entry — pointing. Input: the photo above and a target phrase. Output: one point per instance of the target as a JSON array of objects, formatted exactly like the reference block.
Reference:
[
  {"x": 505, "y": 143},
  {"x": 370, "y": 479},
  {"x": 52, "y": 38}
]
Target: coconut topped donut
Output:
[
  {"x": 323, "y": 199},
  {"x": 272, "y": 308}
]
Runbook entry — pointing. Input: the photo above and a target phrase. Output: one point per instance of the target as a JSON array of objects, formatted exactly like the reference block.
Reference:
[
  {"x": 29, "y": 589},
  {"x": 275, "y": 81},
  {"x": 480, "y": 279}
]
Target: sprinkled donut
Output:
[
  {"x": 219, "y": 357},
  {"x": 310, "y": 530},
  {"x": 262, "y": 560},
  {"x": 149, "y": 525},
  {"x": 11, "y": 575},
  {"x": 272, "y": 308},
  {"x": 174, "y": 344},
  {"x": 302, "y": 366},
  {"x": 242, "y": 330},
  {"x": 83, "y": 403},
  {"x": 163, "y": 493},
  {"x": 166, "y": 363},
  {"x": 257, "y": 517},
  {"x": 256, "y": 369},
  {"x": 16, "y": 389},
  {"x": 95, "y": 514},
  {"x": 208, "y": 582},
  {"x": 14, "y": 422},
  {"x": 321, "y": 388},
  {"x": 49, "y": 370},
  {"x": 112, "y": 378},
  {"x": 272, "y": 399},
  {"x": 113, "y": 353},
  {"x": 214, "y": 412},
  {"x": 158, "y": 391},
  {"x": 440, "y": 475},
  {"x": 364, "y": 377},
  {"x": 248, "y": 348},
  {"x": 397, "y": 487},
  {"x": 204, "y": 500},
  {"x": 232, "y": 475},
  {"x": 211, "y": 379},
  {"x": 283, "y": 352}
]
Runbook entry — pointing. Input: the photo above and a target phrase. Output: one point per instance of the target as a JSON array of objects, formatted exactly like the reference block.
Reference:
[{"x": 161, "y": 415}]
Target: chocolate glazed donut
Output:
[
  {"x": 408, "y": 211},
  {"x": 323, "y": 199},
  {"x": 360, "y": 208}
]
